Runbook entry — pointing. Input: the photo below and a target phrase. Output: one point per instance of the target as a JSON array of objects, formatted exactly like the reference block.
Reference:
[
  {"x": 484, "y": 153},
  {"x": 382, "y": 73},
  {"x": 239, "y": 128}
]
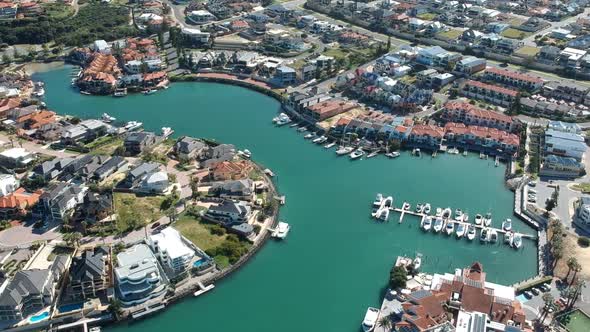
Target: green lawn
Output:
[
  {"x": 134, "y": 212},
  {"x": 583, "y": 187},
  {"x": 514, "y": 33},
  {"x": 58, "y": 11},
  {"x": 528, "y": 51},
  {"x": 198, "y": 232},
  {"x": 451, "y": 34},
  {"x": 427, "y": 16},
  {"x": 105, "y": 145}
]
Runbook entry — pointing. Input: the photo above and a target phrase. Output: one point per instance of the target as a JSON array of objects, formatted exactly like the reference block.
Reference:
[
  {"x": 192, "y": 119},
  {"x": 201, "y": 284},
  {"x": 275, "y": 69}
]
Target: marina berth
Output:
[
  {"x": 356, "y": 154},
  {"x": 517, "y": 241},
  {"x": 487, "y": 220},
  {"x": 471, "y": 233},
  {"x": 426, "y": 223},
  {"x": 438, "y": 224},
  {"x": 449, "y": 227},
  {"x": 342, "y": 150},
  {"x": 370, "y": 319},
  {"x": 461, "y": 229},
  {"x": 507, "y": 224}
]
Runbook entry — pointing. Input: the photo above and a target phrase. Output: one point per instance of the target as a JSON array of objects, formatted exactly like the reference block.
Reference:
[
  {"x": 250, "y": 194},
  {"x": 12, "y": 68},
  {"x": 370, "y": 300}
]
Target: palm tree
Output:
[
  {"x": 72, "y": 239},
  {"x": 577, "y": 268},
  {"x": 385, "y": 322},
  {"x": 577, "y": 290},
  {"x": 571, "y": 263},
  {"x": 549, "y": 302},
  {"x": 115, "y": 308}
]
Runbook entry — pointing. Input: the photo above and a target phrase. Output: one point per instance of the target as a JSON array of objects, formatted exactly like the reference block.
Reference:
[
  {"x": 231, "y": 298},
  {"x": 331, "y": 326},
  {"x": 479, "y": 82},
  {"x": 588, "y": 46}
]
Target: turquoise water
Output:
[
  {"x": 39, "y": 317},
  {"x": 71, "y": 307},
  {"x": 336, "y": 260}
]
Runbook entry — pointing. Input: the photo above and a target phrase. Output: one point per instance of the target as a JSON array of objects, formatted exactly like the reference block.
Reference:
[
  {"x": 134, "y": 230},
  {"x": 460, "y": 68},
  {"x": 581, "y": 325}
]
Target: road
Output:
[{"x": 32, "y": 147}]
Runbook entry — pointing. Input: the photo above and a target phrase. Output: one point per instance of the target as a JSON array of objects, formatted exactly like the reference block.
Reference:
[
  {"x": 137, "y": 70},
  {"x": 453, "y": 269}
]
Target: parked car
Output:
[
  {"x": 535, "y": 291},
  {"x": 528, "y": 294},
  {"x": 155, "y": 225},
  {"x": 532, "y": 183}
]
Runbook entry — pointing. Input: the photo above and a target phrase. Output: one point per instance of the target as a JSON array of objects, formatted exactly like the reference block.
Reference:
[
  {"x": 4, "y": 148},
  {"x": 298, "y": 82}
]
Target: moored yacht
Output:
[
  {"x": 378, "y": 200},
  {"x": 107, "y": 118},
  {"x": 517, "y": 241},
  {"x": 458, "y": 215},
  {"x": 447, "y": 213},
  {"x": 309, "y": 136},
  {"x": 372, "y": 154},
  {"x": 438, "y": 224},
  {"x": 419, "y": 208},
  {"x": 370, "y": 319},
  {"x": 393, "y": 154},
  {"x": 508, "y": 237},
  {"x": 120, "y": 92},
  {"x": 487, "y": 220},
  {"x": 406, "y": 206},
  {"x": 281, "y": 231},
  {"x": 427, "y": 223},
  {"x": 485, "y": 235},
  {"x": 302, "y": 129},
  {"x": 329, "y": 145},
  {"x": 478, "y": 219},
  {"x": 356, "y": 154},
  {"x": 344, "y": 150},
  {"x": 149, "y": 91},
  {"x": 471, "y": 233},
  {"x": 507, "y": 224},
  {"x": 450, "y": 227},
  {"x": 461, "y": 228},
  {"x": 320, "y": 140},
  {"x": 167, "y": 131},
  {"x": 493, "y": 235},
  {"x": 438, "y": 212},
  {"x": 132, "y": 125},
  {"x": 426, "y": 208},
  {"x": 382, "y": 214},
  {"x": 417, "y": 262},
  {"x": 388, "y": 201}
]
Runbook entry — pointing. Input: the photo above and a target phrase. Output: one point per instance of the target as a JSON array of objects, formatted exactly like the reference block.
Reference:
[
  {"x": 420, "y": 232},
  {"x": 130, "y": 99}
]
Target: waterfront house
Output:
[
  {"x": 426, "y": 135},
  {"x": 231, "y": 170},
  {"x": 109, "y": 167},
  {"x": 545, "y": 108},
  {"x": 233, "y": 189},
  {"x": 89, "y": 275},
  {"x": 327, "y": 109},
  {"x": 154, "y": 183},
  {"x": 188, "y": 148},
  {"x": 138, "y": 276},
  {"x": 196, "y": 36},
  {"x": 561, "y": 167},
  {"x": 464, "y": 112},
  {"x": 8, "y": 184},
  {"x": 565, "y": 144},
  {"x": 17, "y": 203},
  {"x": 285, "y": 75},
  {"x": 469, "y": 65},
  {"x": 231, "y": 213},
  {"x": 101, "y": 46},
  {"x": 525, "y": 82},
  {"x": 566, "y": 127},
  {"x": 490, "y": 139},
  {"x": 138, "y": 142},
  {"x": 16, "y": 158},
  {"x": 97, "y": 206},
  {"x": 489, "y": 93},
  {"x": 85, "y": 131},
  {"x": 51, "y": 169},
  {"x": 58, "y": 200},
  {"x": 169, "y": 247},
  {"x": 30, "y": 291},
  {"x": 200, "y": 16},
  {"x": 466, "y": 292}
]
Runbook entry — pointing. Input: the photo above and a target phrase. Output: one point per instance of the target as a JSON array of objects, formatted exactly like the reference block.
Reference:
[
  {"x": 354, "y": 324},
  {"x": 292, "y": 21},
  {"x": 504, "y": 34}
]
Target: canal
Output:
[{"x": 336, "y": 260}]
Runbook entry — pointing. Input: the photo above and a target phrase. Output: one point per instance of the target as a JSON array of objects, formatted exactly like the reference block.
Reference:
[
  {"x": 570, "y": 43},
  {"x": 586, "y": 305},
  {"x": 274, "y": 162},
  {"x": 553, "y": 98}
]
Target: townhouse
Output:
[
  {"x": 525, "y": 82},
  {"x": 464, "y": 112},
  {"x": 491, "y": 139},
  {"x": 490, "y": 93},
  {"x": 327, "y": 109},
  {"x": 426, "y": 135},
  {"x": 567, "y": 91},
  {"x": 565, "y": 144}
]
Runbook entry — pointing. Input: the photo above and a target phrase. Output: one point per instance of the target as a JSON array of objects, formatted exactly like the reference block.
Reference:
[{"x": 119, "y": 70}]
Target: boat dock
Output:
[{"x": 203, "y": 289}]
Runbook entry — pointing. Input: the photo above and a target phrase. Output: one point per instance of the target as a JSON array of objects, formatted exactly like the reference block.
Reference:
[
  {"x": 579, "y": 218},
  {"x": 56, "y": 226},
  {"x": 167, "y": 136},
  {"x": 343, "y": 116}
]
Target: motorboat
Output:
[
  {"x": 293, "y": 125},
  {"x": 302, "y": 129},
  {"x": 416, "y": 152},
  {"x": 461, "y": 229},
  {"x": 471, "y": 233},
  {"x": 458, "y": 214},
  {"x": 517, "y": 241},
  {"x": 493, "y": 235},
  {"x": 393, "y": 154},
  {"x": 450, "y": 227},
  {"x": 39, "y": 92},
  {"x": 268, "y": 172},
  {"x": 508, "y": 237},
  {"x": 378, "y": 200},
  {"x": 246, "y": 153},
  {"x": 382, "y": 214},
  {"x": 417, "y": 262},
  {"x": 320, "y": 140},
  {"x": 487, "y": 220},
  {"x": 485, "y": 235},
  {"x": 465, "y": 217},
  {"x": 426, "y": 208},
  {"x": 478, "y": 219},
  {"x": 280, "y": 118},
  {"x": 370, "y": 319},
  {"x": 329, "y": 145},
  {"x": 446, "y": 213},
  {"x": 356, "y": 154},
  {"x": 406, "y": 206},
  {"x": 507, "y": 224},
  {"x": 344, "y": 150},
  {"x": 281, "y": 231},
  {"x": 132, "y": 125},
  {"x": 85, "y": 93},
  {"x": 309, "y": 136},
  {"x": 149, "y": 92},
  {"x": 438, "y": 212},
  {"x": 283, "y": 121},
  {"x": 419, "y": 208},
  {"x": 388, "y": 202},
  {"x": 426, "y": 223},
  {"x": 107, "y": 118},
  {"x": 465, "y": 153},
  {"x": 372, "y": 154},
  {"x": 438, "y": 224},
  {"x": 120, "y": 92},
  {"x": 167, "y": 131}
]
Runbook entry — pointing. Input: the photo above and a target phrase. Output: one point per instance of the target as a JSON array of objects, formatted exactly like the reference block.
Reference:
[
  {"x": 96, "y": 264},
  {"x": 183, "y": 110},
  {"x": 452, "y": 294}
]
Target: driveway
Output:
[{"x": 24, "y": 235}]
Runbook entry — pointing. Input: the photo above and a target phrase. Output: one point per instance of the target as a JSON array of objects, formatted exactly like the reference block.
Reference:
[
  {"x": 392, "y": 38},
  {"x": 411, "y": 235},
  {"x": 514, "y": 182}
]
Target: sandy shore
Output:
[{"x": 38, "y": 67}]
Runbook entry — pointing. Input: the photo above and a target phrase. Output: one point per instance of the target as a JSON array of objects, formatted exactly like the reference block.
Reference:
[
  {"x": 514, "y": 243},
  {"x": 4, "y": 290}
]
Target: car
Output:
[
  {"x": 532, "y": 200},
  {"x": 503, "y": 65},
  {"x": 532, "y": 183},
  {"x": 535, "y": 291},
  {"x": 528, "y": 294},
  {"x": 532, "y": 191},
  {"x": 155, "y": 225},
  {"x": 547, "y": 287}
]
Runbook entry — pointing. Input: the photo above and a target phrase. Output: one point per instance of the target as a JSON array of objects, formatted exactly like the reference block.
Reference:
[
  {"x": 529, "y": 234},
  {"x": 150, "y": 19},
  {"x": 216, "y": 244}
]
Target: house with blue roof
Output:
[
  {"x": 565, "y": 144},
  {"x": 561, "y": 167}
]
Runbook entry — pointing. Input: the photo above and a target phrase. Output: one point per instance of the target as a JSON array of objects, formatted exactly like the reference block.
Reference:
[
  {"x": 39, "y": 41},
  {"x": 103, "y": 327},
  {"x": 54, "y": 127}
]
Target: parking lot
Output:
[{"x": 564, "y": 209}]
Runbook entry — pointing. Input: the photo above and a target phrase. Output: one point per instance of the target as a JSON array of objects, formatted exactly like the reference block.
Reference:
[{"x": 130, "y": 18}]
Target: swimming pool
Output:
[
  {"x": 39, "y": 317},
  {"x": 199, "y": 263},
  {"x": 71, "y": 307}
]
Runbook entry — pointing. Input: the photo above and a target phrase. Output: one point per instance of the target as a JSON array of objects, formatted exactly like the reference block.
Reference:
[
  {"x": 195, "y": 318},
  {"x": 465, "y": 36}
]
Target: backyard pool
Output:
[
  {"x": 71, "y": 307},
  {"x": 39, "y": 317},
  {"x": 575, "y": 321}
]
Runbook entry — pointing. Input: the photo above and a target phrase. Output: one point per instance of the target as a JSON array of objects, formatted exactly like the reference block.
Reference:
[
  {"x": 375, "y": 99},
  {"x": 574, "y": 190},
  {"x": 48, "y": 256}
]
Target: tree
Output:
[
  {"x": 549, "y": 303},
  {"x": 115, "y": 308},
  {"x": 397, "y": 277},
  {"x": 549, "y": 205},
  {"x": 388, "y": 44},
  {"x": 72, "y": 239},
  {"x": 6, "y": 59},
  {"x": 194, "y": 184},
  {"x": 385, "y": 323},
  {"x": 576, "y": 268},
  {"x": 571, "y": 264}
]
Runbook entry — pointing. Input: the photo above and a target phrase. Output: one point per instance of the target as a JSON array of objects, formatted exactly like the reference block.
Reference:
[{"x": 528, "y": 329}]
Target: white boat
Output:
[
  {"x": 416, "y": 152},
  {"x": 493, "y": 235},
  {"x": 446, "y": 213},
  {"x": 120, "y": 92},
  {"x": 356, "y": 154},
  {"x": 507, "y": 224},
  {"x": 246, "y": 153},
  {"x": 329, "y": 145},
  {"x": 417, "y": 262},
  {"x": 426, "y": 208},
  {"x": 461, "y": 229},
  {"x": 85, "y": 93},
  {"x": 378, "y": 200},
  {"x": 320, "y": 140},
  {"x": 309, "y": 136},
  {"x": 517, "y": 241},
  {"x": 149, "y": 92},
  {"x": 426, "y": 223},
  {"x": 481, "y": 155},
  {"x": 370, "y": 319},
  {"x": 167, "y": 131},
  {"x": 281, "y": 231},
  {"x": 94, "y": 329},
  {"x": 406, "y": 206},
  {"x": 438, "y": 224},
  {"x": 487, "y": 220},
  {"x": 39, "y": 92},
  {"x": 393, "y": 154},
  {"x": 107, "y": 118},
  {"x": 132, "y": 125},
  {"x": 268, "y": 172},
  {"x": 302, "y": 129},
  {"x": 344, "y": 150},
  {"x": 465, "y": 153},
  {"x": 282, "y": 122},
  {"x": 485, "y": 235},
  {"x": 458, "y": 213},
  {"x": 388, "y": 202},
  {"x": 478, "y": 219},
  {"x": 372, "y": 154},
  {"x": 450, "y": 227},
  {"x": 438, "y": 212},
  {"x": 471, "y": 233},
  {"x": 508, "y": 237},
  {"x": 383, "y": 214},
  {"x": 293, "y": 125},
  {"x": 419, "y": 208},
  {"x": 280, "y": 118}
]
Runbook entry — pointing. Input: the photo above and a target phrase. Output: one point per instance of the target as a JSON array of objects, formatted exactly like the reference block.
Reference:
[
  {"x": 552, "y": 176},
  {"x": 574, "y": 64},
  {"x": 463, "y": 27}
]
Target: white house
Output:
[
  {"x": 135, "y": 66},
  {"x": 101, "y": 46},
  {"x": 196, "y": 35},
  {"x": 16, "y": 157},
  {"x": 156, "y": 182},
  {"x": 201, "y": 16},
  {"x": 8, "y": 184},
  {"x": 171, "y": 251}
]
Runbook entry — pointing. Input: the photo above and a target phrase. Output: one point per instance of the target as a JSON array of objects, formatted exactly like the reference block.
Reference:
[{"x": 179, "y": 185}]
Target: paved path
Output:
[{"x": 33, "y": 147}]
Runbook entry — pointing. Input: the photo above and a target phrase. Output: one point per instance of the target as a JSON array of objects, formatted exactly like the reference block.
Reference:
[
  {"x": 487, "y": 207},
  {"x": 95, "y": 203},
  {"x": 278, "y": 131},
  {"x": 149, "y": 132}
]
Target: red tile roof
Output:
[
  {"x": 19, "y": 199},
  {"x": 428, "y": 130},
  {"x": 498, "y": 89},
  {"x": 476, "y": 111},
  {"x": 514, "y": 75}
]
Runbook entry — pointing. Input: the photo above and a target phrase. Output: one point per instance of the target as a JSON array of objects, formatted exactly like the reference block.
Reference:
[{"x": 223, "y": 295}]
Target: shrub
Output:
[{"x": 583, "y": 241}]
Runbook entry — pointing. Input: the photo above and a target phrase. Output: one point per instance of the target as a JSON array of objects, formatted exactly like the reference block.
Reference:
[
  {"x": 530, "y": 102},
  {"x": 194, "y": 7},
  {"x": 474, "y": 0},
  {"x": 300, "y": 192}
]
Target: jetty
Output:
[{"x": 203, "y": 289}]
